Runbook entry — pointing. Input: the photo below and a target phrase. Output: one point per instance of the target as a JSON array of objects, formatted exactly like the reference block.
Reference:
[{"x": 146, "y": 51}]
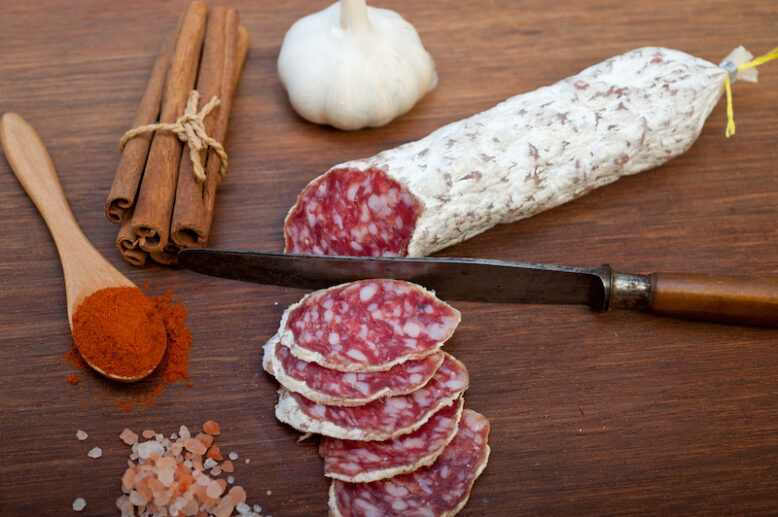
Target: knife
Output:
[{"x": 750, "y": 300}]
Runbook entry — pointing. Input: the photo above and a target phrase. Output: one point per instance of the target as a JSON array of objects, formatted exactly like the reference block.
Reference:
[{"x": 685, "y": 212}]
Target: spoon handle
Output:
[
  {"x": 84, "y": 268},
  {"x": 32, "y": 165}
]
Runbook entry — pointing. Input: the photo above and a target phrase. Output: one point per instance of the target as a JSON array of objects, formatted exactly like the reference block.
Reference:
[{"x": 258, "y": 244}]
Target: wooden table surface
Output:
[{"x": 592, "y": 414}]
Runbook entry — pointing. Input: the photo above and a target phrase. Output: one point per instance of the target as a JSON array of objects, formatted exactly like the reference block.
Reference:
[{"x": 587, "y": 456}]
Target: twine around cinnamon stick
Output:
[{"x": 190, "y": 129}]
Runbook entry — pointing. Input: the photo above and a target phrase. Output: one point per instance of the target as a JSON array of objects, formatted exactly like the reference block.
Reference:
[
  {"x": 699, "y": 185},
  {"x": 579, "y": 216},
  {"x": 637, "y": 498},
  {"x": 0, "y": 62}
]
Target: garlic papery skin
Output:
[{"x": 352, "y": 66}]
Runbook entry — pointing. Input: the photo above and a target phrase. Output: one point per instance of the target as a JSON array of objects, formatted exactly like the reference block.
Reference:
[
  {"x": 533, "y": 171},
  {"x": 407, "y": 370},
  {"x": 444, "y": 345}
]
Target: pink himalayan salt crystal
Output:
[
  {"x": 155, "y": 484},
  {"x": 128, "y": 479},
  {"x": 214, "y": 489},
  {"x": 128, "y": 437},
  {"x": 214, "y": 453},
  {"x": 237, "y": 493},
  {"x": 225, "y": 507},
  {"x": 95, "y": 452},
  {"x": 163, "y": 497},
  {"x": 211, "y": 428},
  {"x": 148, "y": 487},
  {"x": 81, "y": 435},
  {"x": 205, "y": 439},
  {"x": 149, "y": 449},
  {"x": 137, "y": 499},
  {"x": 166, "y": 475},
  {"x": 124, "y": 504},
  {"x": 191, "y": 506},
  {"x": 167, "y": 461},
  {"x": 194, "y": 446},
  {"x": 197, "y": 462}
]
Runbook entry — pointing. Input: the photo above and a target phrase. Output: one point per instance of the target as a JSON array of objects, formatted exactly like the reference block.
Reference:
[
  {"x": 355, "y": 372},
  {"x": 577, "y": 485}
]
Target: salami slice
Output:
[
  {"x": 527, "y": 154},
  {"x": 360, "y": 461},
  {"x": 326, "y": 386},
  {"x": 367, "y": 326},
  {"x": 382, "y": 419},
  {"x": 440, "y": 490}
]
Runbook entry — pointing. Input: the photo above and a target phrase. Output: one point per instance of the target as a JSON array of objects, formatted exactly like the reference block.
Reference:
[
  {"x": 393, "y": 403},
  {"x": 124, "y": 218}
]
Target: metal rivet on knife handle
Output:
[{"x": 627, "y": 290}]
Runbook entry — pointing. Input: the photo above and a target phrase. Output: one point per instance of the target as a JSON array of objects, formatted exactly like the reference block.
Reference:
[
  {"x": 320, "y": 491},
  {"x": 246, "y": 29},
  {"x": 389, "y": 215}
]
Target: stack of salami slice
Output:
[{"x": 362, "y": 365}]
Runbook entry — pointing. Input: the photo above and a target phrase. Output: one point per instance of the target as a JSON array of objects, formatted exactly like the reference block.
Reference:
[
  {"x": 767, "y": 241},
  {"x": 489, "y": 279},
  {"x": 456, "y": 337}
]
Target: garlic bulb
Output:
[{"x": 354, "y": 66}]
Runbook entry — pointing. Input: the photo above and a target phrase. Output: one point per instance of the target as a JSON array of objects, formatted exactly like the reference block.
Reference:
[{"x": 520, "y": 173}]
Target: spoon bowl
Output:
[{"x": 85, "y": 269}]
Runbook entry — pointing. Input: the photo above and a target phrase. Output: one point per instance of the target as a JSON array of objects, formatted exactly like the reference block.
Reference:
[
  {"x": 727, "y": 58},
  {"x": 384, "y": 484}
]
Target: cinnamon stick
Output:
[
  {"x": 127, "y": 243},
  {"x": 154, "y": 206},
  {"x": 218, "y": 60},
  {"x": 130, "y": 170},
  {"x": 193, "y": 211}
]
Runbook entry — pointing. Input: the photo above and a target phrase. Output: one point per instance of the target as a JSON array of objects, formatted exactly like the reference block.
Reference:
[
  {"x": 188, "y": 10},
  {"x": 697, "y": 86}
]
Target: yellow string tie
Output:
[
  {"x": 730, "y": 112},
  {"x": 773, "y": 54},
  {"x": 190, "y": 129}
]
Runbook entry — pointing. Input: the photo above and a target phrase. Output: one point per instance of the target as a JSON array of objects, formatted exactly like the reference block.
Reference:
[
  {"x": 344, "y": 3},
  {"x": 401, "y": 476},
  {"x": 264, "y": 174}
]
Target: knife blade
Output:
[{"x": 740, "y": 299}]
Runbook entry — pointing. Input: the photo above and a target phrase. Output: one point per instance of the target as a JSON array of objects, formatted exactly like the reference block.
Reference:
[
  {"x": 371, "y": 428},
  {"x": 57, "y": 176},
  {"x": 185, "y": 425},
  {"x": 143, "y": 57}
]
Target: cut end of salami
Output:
[
  {"x": 352, "y": 212},
  {"x": 441, "y": 489},
  {"x": 365, "y": 326}
]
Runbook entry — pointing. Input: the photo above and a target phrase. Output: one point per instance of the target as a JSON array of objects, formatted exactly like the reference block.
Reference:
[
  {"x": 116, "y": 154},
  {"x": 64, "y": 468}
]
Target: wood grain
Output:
[{"x": 592, "y": 414}]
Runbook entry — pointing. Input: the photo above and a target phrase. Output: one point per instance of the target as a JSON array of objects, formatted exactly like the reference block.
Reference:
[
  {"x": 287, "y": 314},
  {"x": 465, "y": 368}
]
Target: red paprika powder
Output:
[
  {"x": 119, "y": 331},
  {"x": 175, "y": 361}
]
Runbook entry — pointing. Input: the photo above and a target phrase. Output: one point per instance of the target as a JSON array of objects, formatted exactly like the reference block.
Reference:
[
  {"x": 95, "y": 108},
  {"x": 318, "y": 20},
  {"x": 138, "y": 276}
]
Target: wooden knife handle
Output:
[{"x": 749, "y": 300}]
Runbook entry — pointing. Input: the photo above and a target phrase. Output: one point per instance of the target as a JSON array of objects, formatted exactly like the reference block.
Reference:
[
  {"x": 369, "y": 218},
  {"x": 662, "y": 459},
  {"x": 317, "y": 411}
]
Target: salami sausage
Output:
[
  {"x": 382, "y": 419},
  {"x": 360, "y": 461},
  {"x": 367, "y": 326},
  {"x": 527, "y": 154},
  {"x": 440, "y": 490},
  {"x": 326, "y": 386}
]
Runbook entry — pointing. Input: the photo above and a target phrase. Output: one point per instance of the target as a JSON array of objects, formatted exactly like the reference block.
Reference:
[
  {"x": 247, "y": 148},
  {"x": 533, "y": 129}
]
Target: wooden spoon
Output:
[{"x": 86, "y": 270}]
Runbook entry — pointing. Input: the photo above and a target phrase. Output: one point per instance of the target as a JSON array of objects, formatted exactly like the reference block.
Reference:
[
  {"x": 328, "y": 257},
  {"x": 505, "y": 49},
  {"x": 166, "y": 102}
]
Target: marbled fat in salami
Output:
[
  {"x": 527, "y": 154},
  {"x": 367, "y": 326},
  {"x": 326, "y": 386},
  {"x": 440, "y": 490},
  {"x": 382, "y": 419},
  {"x": 361, "y": 461},
  {"x": 355, "y": 212}
]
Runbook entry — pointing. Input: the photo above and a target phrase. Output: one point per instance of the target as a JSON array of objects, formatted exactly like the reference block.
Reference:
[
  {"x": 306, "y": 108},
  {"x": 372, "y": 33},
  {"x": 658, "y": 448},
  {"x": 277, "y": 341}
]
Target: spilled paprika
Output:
[
  {"x": 119, "y": 331},
  {"x": 175, "y": 362}
]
